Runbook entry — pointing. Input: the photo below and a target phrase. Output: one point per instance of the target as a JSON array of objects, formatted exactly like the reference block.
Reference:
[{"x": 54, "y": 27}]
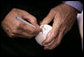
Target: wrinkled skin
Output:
[
  {"x": 63, "y": 17},
  {"x": 16, "y": 28}
]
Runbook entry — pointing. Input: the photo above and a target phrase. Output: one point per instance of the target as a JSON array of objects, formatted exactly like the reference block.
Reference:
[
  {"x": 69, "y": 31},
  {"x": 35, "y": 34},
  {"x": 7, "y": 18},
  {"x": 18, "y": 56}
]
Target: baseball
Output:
[{"x": 42, "y": 35}]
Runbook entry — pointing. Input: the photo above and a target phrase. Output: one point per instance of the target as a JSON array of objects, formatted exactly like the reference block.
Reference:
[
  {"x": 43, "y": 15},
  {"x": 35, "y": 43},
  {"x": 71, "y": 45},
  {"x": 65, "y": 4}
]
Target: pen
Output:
[{"x": 22, "y": 20}]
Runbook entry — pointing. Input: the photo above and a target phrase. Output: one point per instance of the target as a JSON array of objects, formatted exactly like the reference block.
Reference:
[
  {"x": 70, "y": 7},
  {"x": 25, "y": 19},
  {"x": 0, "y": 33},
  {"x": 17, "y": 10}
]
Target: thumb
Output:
[
  {"x": 48, "y": 18},
  {"x": 31, "y": 19}
]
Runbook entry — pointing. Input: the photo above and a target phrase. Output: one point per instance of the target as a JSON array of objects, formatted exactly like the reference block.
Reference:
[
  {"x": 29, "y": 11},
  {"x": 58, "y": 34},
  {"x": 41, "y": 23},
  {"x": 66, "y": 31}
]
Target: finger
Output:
[
  {"x": 26, "y": 28},
  {"x": 23, "y": 35},
  {"x": 33, "y": 21},
  {"x": 27, "y": 16},
  {"x": 7, "y": 28},
  {"x": 52, "y": 34},
  {"x": 30, "y": 18},
  {"x": 56, "y": 42},
  {"x": 38, "y": 29},
  {"x": 31, "y": 30},
  {"x": 49, "y": 18}
]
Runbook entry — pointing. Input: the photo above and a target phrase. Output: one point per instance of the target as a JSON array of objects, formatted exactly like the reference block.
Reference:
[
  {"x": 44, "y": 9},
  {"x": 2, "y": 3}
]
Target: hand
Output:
[
  {"x": 15, "y": 28},
  {"x": 63, "y": 17}
]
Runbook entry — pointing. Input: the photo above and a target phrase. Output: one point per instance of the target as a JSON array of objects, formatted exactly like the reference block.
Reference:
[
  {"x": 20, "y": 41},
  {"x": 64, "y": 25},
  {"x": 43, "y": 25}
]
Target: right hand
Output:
[
  {"x": 15, "y": 28},
  {"x": 63, "y": 17}
]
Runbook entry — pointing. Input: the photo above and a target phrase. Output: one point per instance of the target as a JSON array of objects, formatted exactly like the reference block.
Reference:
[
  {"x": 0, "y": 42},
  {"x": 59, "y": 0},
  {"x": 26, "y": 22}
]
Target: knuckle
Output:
[
  {"x": 14, "y": 9},
  {"x": 12, "y": 35},
  {"x": 33, "y": 31},
  {"x": 3, "y": 22},
  {"x": 18, "y": 25},
  {"x": 52, "y": 10},
  {"x": 34, "y": 19},
  {"x": 14, "y": 31}
]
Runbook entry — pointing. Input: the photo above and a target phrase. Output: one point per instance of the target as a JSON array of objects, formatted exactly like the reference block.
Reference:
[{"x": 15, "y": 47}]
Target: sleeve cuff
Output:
[{"x": 76, "y": 4}]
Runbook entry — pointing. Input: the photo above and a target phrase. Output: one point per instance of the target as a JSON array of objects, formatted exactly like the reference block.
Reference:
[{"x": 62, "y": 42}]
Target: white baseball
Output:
[{"x": 42, "y": 35}]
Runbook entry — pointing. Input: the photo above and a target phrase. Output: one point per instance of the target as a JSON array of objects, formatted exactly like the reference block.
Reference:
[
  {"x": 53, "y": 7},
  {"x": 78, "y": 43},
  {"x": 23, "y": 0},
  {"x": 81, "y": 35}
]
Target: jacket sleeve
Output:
[{"x": 76, "y": 4}]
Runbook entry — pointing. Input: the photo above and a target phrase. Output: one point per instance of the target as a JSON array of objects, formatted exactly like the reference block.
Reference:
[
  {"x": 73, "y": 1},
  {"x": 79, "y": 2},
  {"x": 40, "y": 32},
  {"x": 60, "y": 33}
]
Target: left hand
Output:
[
  {"x": 16, "y": 28},
  {"x": 63, "y": 17}
]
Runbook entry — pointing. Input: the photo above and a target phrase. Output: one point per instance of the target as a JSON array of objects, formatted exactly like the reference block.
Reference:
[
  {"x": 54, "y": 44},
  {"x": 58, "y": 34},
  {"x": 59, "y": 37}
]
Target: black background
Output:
[{"x": 70, "y": 45}]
